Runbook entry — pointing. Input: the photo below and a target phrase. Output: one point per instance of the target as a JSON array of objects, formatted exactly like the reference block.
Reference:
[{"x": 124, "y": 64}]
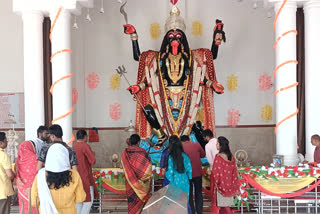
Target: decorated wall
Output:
[{"x": 244, "y": 64}]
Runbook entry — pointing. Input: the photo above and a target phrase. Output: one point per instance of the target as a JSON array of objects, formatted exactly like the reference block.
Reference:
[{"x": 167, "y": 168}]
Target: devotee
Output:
[
  {"x": 26, "y": 168},
  {"x": 55, "y": 135},
  {"x": 224, "y": 183},
  {"x": 179, "y": 166},
  {"x": 86, "y": 159},
  {"x": 137, "y": 168},
  {"x": 6, "y": 176},
  {"x": 315, "y": 140},
  {"x": 211, "y": 148},
  {"x": 43, "y": 136},
  {"x": 195, "y": 153},
  {"x": 57, "y": 188}
]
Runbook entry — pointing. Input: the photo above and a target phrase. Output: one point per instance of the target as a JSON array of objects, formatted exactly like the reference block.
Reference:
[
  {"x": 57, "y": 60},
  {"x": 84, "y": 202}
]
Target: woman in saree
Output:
[
  {"x": 224, "y": 179},
  {"x": 26, "y": 165}
]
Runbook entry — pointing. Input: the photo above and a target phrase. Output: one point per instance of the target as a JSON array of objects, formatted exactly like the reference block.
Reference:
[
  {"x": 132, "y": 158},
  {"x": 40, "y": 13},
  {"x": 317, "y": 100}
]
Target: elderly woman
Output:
[
  {"x": 26, "y": 168},
  {"x": 57, "y": 188}
]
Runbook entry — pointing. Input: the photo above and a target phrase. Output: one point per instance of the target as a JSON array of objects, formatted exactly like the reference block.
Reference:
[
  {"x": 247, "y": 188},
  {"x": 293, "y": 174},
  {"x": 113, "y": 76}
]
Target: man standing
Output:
[
  {"x": 55, "y": 135},
  {"x": 195, "y": 153},
  {"x": 137, "y": 169},
  {"x": 315, "y": 140},
  {"x": 43, "y": 136},
  {"x": 211, "y": 146},
  {"x": 6, "y": 176},
  {"x": 86, "y": 159}
]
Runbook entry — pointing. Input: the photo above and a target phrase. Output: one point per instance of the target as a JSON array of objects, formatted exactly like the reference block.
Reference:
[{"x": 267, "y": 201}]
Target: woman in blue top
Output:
[{"x": 179, "y": 166}]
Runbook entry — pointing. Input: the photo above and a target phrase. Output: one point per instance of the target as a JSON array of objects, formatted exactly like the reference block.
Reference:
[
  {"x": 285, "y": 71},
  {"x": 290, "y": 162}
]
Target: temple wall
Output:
[{"x": 11, "y": 52}]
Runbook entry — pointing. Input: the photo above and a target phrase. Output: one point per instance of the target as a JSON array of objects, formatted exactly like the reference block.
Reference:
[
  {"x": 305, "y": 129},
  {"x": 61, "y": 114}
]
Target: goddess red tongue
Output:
[{"x": 174, "y": 45}]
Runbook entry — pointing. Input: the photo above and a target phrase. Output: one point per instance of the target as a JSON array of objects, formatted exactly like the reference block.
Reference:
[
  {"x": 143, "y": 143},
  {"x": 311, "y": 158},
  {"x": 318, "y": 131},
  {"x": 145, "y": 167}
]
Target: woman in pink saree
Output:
[
  {"x": 224, "y": 180},
  {"x": 26, "y": 165}
]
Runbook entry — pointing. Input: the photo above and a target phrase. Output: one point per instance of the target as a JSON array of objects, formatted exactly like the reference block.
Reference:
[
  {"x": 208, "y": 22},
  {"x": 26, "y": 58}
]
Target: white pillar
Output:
[
  {"x": 286, "y": 101},
  {"x": 33, "y": 72},
  {"x": 61, "y": 66},
  {"x": 312, "y": 73}
]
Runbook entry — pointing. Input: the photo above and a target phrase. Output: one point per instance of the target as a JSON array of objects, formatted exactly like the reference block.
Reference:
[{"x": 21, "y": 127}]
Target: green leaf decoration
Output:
[
  {"x": 250, "y": 197},
  {"x": 112, "y": 177},
  {"x": 238, "y": 204},
  {"x": 247, "y": 205},
  {"x": 235, "y": 200}
]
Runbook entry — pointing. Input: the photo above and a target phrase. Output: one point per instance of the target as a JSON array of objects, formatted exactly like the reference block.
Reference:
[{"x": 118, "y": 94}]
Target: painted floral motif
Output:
[
  {"x": 115, "y": 82},
  {"x": 264, "y": 82},
  {"x": 75, "y": 96},
  {"x": 233, "y": 117},
  {"x": 115, "y": 111},
  {"x": 155, "y": 30},
  {"x": 197, "y": 28},
  {"x": 93, "y": 80},
  {"x": 232, "y": 82},
  {"x": 266, "y": 113}
]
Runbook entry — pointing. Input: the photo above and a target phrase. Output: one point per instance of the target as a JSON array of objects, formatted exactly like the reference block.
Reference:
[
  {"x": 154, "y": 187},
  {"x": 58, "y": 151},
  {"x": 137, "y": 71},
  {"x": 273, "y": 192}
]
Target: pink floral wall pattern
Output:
[
  {"x": 115, "y": 111},
  {"x": 264, "y": 82},
  {"x": 75, "y": 96},
  {"x": 233, "y": 117},
  {"x": 93, "y": 80}
]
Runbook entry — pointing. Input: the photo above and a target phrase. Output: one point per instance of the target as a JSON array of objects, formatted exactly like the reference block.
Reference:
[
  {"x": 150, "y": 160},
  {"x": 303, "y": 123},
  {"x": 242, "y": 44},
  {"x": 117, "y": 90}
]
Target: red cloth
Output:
[
  {"x": 26, "y": 167},
  {"x": 137, "y": 169},
  {"x": 195, "y": 153},
  {"x": 85, "y": 159},
  {"x": 224, "y": 178},
  {"x": 317, "y": 154}
]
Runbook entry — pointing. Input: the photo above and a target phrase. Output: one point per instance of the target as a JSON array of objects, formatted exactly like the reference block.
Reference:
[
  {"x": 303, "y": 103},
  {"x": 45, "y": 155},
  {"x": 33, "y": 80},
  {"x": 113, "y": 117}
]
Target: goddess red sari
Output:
[
  {"x": 224, "y": 180},
  {"x": 26, "y": 165},
  {"x": 137, "y": 169}
]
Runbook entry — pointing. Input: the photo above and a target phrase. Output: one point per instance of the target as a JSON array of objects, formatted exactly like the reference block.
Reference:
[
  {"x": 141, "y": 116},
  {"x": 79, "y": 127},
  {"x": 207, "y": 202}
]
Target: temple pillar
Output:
[
  {"x": 312, "y": 73},
  {"x": 286, "y": 100},
  {"x": 61, "y": 70},
  {"x": 33, "y": 72}
]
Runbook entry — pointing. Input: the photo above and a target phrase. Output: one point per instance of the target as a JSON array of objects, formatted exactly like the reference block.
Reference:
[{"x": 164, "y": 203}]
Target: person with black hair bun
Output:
[{"x": 224, "y": 182}]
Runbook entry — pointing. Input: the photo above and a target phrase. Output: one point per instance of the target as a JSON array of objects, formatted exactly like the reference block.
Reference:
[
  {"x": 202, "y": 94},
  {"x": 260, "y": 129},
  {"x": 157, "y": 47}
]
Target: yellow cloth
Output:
[
  {"x": 65, "y": 198},
  {"x": 285, "y": 185},
  {"x": 5, "y": 183}
]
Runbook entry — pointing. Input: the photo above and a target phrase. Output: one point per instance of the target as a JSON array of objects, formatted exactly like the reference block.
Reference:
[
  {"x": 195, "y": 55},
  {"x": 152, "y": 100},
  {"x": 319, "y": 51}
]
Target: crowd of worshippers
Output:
[
  {"x": 51, "y": 177},
  {"x": 181, "y": 163}
]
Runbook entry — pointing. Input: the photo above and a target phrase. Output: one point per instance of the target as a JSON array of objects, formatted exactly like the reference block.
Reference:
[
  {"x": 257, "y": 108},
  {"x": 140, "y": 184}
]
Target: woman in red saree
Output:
[
  {"x": 224, "y": 179},
  {"x": 26, "y": 165}
]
